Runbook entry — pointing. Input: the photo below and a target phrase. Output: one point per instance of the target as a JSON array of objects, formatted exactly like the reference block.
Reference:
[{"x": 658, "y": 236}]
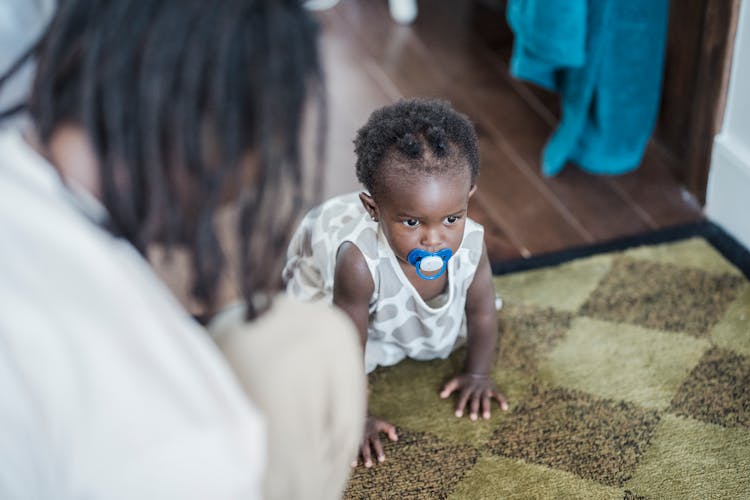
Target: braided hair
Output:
[
  {"x": 173, "y": 94},
  {"x": 418, "y": 136}
]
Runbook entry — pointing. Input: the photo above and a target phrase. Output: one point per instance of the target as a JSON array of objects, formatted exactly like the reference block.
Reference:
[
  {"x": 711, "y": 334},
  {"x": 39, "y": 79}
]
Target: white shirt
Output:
[{"x": 108, "y": 389}]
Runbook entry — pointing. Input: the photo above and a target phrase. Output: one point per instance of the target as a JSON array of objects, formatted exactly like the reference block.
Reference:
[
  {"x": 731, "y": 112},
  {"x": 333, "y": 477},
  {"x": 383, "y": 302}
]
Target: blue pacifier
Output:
[{"x": 430, "y": 262}]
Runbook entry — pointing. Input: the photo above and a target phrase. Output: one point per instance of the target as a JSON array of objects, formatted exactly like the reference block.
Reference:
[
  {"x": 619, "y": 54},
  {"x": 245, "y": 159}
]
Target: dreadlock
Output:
[
  {"x": 423, "y": 135},
  {"x": 174, "y": 94}
]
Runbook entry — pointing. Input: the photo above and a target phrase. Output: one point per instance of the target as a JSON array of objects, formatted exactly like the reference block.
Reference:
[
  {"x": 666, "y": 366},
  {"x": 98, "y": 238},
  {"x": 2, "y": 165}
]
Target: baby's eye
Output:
[
  {"x": 410, "y": 222},
  {"x": 452, "y": 219}
]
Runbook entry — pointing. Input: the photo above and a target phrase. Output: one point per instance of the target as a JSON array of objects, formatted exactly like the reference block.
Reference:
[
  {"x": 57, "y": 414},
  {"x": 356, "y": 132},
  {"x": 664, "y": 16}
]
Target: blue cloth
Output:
[{"x": 605, "y": 58}]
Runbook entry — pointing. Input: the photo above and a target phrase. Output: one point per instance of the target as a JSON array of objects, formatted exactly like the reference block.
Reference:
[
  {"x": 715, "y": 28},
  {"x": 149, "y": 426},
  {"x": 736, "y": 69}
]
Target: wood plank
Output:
[
  {"x": 490, "y": 27},
  {"x": 499, "y": 247},
  {"x": 652, "y": 190},
  {"x": 590, "y": 200},
  {"x": 441, "y": 56},
  {"x": 698, "y": 51},
  {"x": 352, "y": 96},
  {"x": 523, "y": 213},
  {"x": 405, "y": 67},
  {"x": 355, "y": 89}
]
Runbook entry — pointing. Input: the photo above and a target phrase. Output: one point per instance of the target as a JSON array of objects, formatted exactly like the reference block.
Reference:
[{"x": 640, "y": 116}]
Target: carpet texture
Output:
[{"x": 628, "y": 377}]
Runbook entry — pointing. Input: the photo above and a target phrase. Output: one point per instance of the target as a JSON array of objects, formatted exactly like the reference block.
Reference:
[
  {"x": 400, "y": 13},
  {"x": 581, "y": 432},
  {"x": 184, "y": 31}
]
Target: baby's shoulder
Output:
[
  {"x": 352, "y": 275},
  {"x": 345, "y": 204},
  {"x": 473, "y": 239},
  {"x": 473, "y": 226}
]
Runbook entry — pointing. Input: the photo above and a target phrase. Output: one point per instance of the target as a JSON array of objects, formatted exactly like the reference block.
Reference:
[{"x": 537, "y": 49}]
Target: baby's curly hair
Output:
[{"x": 428, "y": 133}]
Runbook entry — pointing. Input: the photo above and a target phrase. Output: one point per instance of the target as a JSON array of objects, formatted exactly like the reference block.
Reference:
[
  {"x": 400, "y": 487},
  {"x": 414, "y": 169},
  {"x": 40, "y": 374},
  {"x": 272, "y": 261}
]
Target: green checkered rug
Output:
[{"x": 627, "y": 374}]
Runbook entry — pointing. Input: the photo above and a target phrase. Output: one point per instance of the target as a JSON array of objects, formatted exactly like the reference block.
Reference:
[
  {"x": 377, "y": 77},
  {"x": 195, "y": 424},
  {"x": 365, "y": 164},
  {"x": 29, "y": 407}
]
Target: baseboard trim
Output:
[
  {"x": 727, "y": 245},
  {"x": 728, "y": 193}
]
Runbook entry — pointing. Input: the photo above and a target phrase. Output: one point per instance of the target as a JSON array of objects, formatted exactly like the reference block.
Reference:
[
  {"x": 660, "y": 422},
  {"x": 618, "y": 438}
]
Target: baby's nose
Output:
[{"x": 431, "y": 240}]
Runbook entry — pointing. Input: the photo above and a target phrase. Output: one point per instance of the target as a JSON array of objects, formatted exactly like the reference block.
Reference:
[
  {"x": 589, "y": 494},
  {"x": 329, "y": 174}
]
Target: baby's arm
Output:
[
  {"x": 475, "y": 385},
  {"x": 352, "y": 289}
]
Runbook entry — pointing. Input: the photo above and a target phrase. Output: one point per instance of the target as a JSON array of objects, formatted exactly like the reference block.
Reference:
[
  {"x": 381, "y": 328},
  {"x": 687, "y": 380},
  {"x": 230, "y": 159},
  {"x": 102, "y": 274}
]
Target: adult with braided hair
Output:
[{"x": 146, "y": 120}]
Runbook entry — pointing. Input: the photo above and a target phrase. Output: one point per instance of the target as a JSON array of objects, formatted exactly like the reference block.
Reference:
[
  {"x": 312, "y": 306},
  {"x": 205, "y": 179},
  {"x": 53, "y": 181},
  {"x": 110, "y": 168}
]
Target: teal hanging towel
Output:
[{"x": 605, "y": 59}]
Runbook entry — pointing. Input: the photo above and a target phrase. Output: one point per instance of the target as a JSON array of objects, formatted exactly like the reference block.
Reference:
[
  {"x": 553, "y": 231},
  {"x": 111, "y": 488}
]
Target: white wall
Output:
[{"x": 728, "y": 195}]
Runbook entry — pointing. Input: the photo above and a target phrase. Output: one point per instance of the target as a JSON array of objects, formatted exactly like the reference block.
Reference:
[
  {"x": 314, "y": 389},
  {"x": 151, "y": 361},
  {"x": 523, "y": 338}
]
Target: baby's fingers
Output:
[
  {"x": 486, "y": 404},
  {"x": 474, "y": 406},
  {"x": 366, "y": 457},
  {"x": 500, "y": 398},
  {"x": 378, "y": 447},
  {"x": 389, "y": 430},
  {"x": 449, "y": 388},
  {"x": 462, "y": 400}
]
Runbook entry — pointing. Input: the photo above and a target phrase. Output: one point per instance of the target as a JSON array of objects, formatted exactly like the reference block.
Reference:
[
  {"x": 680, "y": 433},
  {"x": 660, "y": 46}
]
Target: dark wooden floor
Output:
[{"x": 452, "y": 52}]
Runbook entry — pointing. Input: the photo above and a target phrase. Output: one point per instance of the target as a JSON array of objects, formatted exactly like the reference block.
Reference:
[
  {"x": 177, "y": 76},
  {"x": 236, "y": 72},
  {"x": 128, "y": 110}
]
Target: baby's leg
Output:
[{"x": 302, "y": 366}]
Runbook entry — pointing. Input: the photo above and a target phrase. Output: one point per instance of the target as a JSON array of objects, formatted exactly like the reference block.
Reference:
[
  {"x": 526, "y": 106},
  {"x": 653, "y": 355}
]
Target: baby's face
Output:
[{"x": 427, "y": 213}]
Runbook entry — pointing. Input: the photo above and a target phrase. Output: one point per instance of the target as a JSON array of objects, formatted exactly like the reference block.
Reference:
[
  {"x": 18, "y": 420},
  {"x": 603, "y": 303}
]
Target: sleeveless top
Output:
[{"x": 401, "y": 323}]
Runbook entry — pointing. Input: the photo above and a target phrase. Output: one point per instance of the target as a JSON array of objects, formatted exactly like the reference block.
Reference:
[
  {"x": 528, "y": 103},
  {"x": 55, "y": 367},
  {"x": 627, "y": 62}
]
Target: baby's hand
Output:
[
  {"x": 373, "y": 427},
  {"x": 475, "y": 390}
]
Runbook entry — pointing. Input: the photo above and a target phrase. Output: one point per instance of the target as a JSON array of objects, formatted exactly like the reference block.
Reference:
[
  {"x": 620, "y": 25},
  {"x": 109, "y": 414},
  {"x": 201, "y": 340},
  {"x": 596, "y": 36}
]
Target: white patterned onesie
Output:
[{"x": 401, "y": 323}]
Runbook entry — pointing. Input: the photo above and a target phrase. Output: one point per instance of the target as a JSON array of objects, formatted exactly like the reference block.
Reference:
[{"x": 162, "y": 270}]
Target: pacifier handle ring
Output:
[
  {"x": 431, "y": 277},
  {"x": 415, "y": 258}
]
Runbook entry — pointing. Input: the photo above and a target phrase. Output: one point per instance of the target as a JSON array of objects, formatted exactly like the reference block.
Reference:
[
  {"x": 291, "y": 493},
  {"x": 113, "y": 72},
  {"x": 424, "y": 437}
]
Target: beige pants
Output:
[{"x": 301, "y": 364}]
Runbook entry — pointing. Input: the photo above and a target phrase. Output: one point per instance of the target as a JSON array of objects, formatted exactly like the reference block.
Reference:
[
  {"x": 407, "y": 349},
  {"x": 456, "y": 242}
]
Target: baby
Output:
[{"x": 403, "y": 259}]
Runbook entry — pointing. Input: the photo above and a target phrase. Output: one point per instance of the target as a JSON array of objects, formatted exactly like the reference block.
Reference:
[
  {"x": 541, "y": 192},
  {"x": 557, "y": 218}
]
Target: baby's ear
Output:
[
  {"x": 472, "y": 190},
  {"x": 369, "y": 203}
]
